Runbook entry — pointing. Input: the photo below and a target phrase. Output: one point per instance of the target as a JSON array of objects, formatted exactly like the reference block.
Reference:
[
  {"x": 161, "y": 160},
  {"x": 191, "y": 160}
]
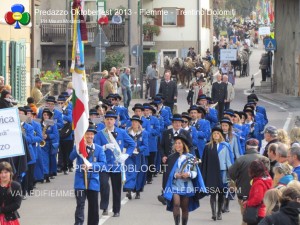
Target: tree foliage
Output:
[
  {"x": 242, "y": 7},
  {"x": 111, "y": 60}
]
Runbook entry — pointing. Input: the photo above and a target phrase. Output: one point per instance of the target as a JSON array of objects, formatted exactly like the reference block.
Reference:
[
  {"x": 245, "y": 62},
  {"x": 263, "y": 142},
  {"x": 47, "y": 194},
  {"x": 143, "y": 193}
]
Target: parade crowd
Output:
[{"x": 208, "y": 150}]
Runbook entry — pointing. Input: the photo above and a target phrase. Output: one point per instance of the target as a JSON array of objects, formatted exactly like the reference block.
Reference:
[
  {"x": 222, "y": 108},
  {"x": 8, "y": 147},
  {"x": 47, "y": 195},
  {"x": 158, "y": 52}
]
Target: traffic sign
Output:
[
  {"x": 136, "y": 50},
  {"x": 101, "y": 39},
  {"x": 270, "y": 44},
  {"x": 100, "y": 54}
]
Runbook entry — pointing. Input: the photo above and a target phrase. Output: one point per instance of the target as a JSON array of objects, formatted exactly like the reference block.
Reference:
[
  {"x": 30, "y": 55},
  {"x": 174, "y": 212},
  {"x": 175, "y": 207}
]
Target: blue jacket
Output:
[
  {"x": 52, "y": 138},
  {"x": 141, "y": 142},
  {"x": 203, "y": 134},
  {"x": 154, "y": 133},
  {"x": 212, "y": 117},
  {"x": 57, "y": 115},
  {"x": 297, "y": 171},
  {"x": 226, "y": 159},
  {"x": 98, "y": 160},
  {"x": 169, "y": 111},
  {"x": 122, "y": 114},
  {"x": 29, "y": 135},
  {"x": 235, "y": 146},
  {"x": 67, "y": 116},
  {"x": 262, "y": 110},
  {"x": 125, "y": 81},
  {"x": 38, "y": 137},
  {"x": 124, "y": 141},
  {"x": 165, "y": 115}
]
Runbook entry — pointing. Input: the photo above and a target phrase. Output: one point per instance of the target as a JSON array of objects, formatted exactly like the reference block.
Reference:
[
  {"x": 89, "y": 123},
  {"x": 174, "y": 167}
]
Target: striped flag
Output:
[{"x": 80, "y": 91}]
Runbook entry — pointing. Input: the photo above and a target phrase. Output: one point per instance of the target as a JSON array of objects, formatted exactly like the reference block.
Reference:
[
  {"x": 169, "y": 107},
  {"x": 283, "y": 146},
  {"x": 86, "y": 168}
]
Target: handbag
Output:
[{"x": 251, "y": 214}]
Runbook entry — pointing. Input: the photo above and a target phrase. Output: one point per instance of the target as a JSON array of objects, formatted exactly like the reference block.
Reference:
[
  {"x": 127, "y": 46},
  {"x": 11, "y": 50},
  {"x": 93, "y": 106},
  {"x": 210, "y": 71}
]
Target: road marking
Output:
[
  {"x": 256, "y": 73},
  {"x": 288, "y": 121},
  {"x": 103, "y": 219}
]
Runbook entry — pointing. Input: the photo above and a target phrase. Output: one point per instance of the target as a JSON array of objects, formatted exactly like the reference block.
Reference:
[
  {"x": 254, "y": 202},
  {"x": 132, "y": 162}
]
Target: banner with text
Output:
[
  {"x": 228, "y": 54},
  {"x": 11, "y": 142}
]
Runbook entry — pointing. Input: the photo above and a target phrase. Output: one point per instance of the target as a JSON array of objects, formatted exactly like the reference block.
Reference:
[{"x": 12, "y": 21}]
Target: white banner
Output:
[
  {"x": 228, "y": 54},
  {"x": 264, "y": 31},
  {"x": 11, "y": 142}
]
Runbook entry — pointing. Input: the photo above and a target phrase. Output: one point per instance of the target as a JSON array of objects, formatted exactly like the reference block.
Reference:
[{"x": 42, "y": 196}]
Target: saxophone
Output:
[{"x": 43, "y": 142}]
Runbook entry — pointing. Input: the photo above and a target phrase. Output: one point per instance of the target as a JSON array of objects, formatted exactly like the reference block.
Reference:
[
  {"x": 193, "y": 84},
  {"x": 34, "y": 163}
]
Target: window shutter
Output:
[
  {"x": 158, "y": 17},
  {"x": 180, "y": 17},
  {"x": 203, "y": 17},
  {"x": 207, "y": 21}
]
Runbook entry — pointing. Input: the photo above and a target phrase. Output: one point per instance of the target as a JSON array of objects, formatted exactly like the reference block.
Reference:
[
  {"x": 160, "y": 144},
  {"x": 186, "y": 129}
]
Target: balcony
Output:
[
  {"x": 148, "y": 40},
  {"x": 55, "y": 33}
]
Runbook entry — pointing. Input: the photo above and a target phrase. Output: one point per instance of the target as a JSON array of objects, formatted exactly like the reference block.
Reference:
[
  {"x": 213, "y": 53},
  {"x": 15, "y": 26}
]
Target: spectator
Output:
[
  {"x": 11, "y": 195},
  {"x": 238, "y": 172},
  {"x": 191, "y": 53},
  {"x": 272, "y": 156},
  {"x": 264, "y": 63},
  {"x": 108, "y": 87},
  {"x": 281, "y": 153},
  {"x": 30, "y": 103},
  {"x": 36, "y": 92},
  {"x": 5, "y": 101},
  {"x": 289, "y": 210},
  {"x": 70, "y": 88},
  {"x": 116, "y": 19},
  {"x": 103, "y": 20},
  {"x": 260, "y": 184},
  {"x": 283, "y": 137},
  {"x": 272, "y": 201},
  {"x": 219, "y": 94},
  {"x": 126, "y": 87},
  {"x": 295, "y": 136},
  {"x": 102, "y": 81},
  {"x": 230, "y": 92},
  {"x": 294, "y": 160},
  {"x": 270, "y": 136},
  {"x": 282, "y": 175},
  {"x": 151, "y": 77}
]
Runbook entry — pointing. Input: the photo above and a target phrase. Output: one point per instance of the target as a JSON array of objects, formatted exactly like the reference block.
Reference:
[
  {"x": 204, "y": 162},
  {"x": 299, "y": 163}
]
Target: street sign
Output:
[
  {"x": 264, "y": 31},
  {"x": 228, "y": 54},
  {"x": 100, "y": 54},
  {"x": 101, "y": 39},
  {"x": 270, "y": 45},
  {"x": 136, "y": 50}
]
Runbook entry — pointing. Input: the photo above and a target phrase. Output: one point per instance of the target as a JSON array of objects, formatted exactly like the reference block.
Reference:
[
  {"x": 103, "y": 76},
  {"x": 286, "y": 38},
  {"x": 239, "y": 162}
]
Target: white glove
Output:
[
  {"x": 123, "y": 158},
  {"x": 108, "y": 146}
]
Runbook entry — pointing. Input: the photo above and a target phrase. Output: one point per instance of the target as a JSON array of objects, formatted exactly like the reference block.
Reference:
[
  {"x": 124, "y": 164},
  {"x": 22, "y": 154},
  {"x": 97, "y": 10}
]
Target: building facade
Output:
[
  {"x": 286, "y": 67},
  {"x": 15, "y": 51}
]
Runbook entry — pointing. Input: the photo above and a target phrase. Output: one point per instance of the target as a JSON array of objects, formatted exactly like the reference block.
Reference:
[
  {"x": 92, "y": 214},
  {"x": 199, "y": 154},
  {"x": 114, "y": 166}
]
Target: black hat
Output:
[
  {"x": 249, "y": 106},
  {"x": 28, "y": 109},
  {"x": 136, "y": 118},
  {"x": 92, "y": 128},
  {"x": 226, "y": 120},
  {"x": 22, "y": 109},
  {"x": 160, "y": 96},
  {"x": 46, "y": 110},
  {"x": 117, "y": 96},
  {"x": 64, "y": 93},
  {"x": 111, "y": 95},
  {"x": 153, "y": 103},
  {"x": 200, "y": 97},
  {"x": 157, "y": 100},
  {"x": 93, "y": 112},
  {"x": 194, "y": 107},
  {"x": 229, "y": 112},
  {"x": 110, "y": 114},
  {"x": 38, "y": 80},
  {"x": 253, "y": 96},
  {"x": 148, "y": 106},
  {"x": 209, "y": 100},
  {"x": 107, "y": 102},
  {"x": 217, "y": 129},
  {"x": 251, "y": 101},
  {"x": 181, "y": 137},
  {"x": 186, "y": 115},
  {"x": 138, "y": 106},
  {"x": 51, "y": 99},
  {"x": 242, "y": 113},
  {"x": 177, "y": 117},
  {"x": 61, "y": 98}
]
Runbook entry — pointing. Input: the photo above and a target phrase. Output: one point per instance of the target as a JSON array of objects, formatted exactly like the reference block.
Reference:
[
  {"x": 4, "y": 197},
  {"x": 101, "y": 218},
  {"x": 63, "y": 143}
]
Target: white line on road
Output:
[
  {"x": 288, "y": 121},
  {"x": 256, "y": 73},
  {"x": 123, "y": 202}
]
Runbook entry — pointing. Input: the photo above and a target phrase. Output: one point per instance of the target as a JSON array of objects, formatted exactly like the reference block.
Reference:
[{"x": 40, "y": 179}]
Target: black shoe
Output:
[
  {"x": 219, "y": 216},
  {"x": 70, "y": 170},
  {"x": 24, "y": 197},
  {"x": 128, "y": 195},
  {"x": 59, "y": 170},
  {"x": 116, "y": 215},
  {"x": 161, "y": 199},
  {"x": 137, "y": 196},
  {"x": 149, "y": 182},
  {"x": 104, "y": 213},
  {"x": 66, "y": 172},
  {"x": 52, "y": 177},
  {"x": 47, "y": 180}
]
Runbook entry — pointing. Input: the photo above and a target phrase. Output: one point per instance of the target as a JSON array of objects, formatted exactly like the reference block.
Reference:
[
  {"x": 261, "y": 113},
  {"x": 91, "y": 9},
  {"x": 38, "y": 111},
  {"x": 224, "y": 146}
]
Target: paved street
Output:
[{"x": 59, "y": 210}]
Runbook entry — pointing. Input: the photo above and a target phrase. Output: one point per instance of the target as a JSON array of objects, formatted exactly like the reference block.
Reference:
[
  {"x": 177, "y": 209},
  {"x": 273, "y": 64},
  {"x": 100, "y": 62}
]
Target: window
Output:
[
  {"x": 172, "y": 53},
  {"x": 169, "y": 16}
]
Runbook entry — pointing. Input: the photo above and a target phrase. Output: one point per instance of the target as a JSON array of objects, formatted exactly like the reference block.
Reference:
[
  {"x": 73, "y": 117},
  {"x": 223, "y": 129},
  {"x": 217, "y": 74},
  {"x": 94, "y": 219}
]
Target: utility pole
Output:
[{"x": 141, "y": 57}]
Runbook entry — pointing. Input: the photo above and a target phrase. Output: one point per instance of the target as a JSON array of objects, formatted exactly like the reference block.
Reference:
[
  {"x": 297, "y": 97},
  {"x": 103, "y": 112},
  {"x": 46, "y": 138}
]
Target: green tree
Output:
[
  {"x": 111, "y": 60},
  {"x": 243, "y": 7}
]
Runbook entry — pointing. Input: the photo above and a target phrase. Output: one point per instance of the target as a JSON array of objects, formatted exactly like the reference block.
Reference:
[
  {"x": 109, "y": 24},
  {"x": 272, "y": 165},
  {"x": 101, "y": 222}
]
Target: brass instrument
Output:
[
  {"x": 43, "y": 142},
  {"x": 42, "y": 99},
  {"x": 67, "y": 103},
  {"x": 214, "y": 105}
]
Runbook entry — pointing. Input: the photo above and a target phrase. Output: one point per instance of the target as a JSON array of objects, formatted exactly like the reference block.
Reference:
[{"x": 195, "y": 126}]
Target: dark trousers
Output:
[
  {"x": 152, "y": 84},
  {"x": 93, "y": 212},
  {"x": 264, "y": 74},
  {"x": 220, "y": 109},
  {"x": 171, "y": 105},
  {"x": 226, "y": 105},
  {"x": 116, "y": 184},
  {"x": 28, "y": 180},
  {"x": 66, "y": 147},
  {"x": 151, "y": 166}
]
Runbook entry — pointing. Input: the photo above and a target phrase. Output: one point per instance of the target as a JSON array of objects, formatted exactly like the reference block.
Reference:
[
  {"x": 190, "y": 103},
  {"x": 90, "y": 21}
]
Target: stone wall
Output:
[{"x": 286, "y": 74}]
